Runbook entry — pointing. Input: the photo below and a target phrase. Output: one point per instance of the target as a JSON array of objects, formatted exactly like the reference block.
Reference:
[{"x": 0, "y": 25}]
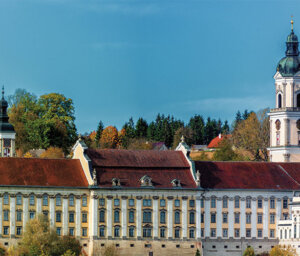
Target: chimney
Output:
[{"x": 220, "y": 136}]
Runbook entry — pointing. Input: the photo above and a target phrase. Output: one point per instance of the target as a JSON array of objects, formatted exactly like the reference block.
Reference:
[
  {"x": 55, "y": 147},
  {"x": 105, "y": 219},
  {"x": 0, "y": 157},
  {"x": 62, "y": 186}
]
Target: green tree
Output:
[
  {"x": 210, "y": 130},
  {"x": 225, "y": 128},
  {"x": 197, "y": 125},
  {"x": 129, "y": 128},
  {"x": 3, "y": 251},
  {"x": 186, "y": 132},
  {"x": 249, "y": 252},
  {"x": 99, "y": 133},
  {"x": 225, "y": 152},
  {"x": 69, "y": 253},
  {"x": 151, "y": 131},
  {"x": 141, "y": 128},
  {"x": 198, "y": 253}
]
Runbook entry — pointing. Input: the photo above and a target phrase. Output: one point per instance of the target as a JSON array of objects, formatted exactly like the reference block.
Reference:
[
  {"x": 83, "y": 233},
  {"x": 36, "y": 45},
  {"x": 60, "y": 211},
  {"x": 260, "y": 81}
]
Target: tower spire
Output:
[
  {"x": 292, "y": 23},
  {"x": 3, "y": 92}
]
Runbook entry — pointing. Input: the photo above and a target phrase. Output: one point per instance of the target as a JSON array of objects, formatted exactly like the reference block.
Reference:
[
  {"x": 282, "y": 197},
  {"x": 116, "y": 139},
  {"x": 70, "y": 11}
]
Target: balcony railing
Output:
[{"x": 287, "y": 109}]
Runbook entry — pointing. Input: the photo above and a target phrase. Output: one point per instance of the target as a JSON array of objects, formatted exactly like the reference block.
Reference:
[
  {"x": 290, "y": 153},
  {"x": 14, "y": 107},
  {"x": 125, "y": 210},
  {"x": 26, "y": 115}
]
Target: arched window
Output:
[
  {"x": 177, "y": 217},
  {"x": 298, "y": 100},
  {"x": 192, "y": 218},
  {"x": 102, "y": 216},
  {"x": 131, "y": 216},
  {"x": 279, "y": 101},
  {"x": 162, "y": 217}
]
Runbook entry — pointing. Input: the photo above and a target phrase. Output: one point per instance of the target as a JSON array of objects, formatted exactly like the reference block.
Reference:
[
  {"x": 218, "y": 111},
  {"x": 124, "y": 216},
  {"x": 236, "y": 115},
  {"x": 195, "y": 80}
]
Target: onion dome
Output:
[
  {"x": 290, "y": 65},
  {"x": 5, "y": 126}
]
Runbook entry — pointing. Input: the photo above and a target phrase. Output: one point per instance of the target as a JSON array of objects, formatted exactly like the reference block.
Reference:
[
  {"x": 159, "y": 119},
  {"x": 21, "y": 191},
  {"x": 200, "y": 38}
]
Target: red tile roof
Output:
[
  {"x": 249, "y": 175},
  {"x": 130, "y": 166},
  {"x": 215, "y": 142},
  {"x": 41, "y": 172}
]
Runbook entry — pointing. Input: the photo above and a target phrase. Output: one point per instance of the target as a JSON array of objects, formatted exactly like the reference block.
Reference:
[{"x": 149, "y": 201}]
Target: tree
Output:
[
  {"x": 129, "y": 128},
  {"x": 250, "y": 134},
  {"x": 69, "y": 253},
  {"x": 186, "y": 132},
  {"x": 278, "y": 251},
  {"x": 225, "y": 152},
  {"x": 3, "y": 251},
  {"x": 53, "y": 153},
  {"x": 249, "y": 252},
  {"x": 141, "y": 128},
  {"x": 210, "y": 130},
  {"x": 197, "y": 125},
  {"x": 99, "y": 133},
  {"x": 139, "y": 144},
  {"x": 198, "y": 253},
  {"x": 225, "y": 128},
  {"x": 109, "y": 137}
]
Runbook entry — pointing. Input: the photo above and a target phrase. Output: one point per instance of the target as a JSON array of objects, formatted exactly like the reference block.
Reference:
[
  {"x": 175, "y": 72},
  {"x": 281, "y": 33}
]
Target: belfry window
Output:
[
  {"x": 279, "y": 101},
  {"x": 298, "y": 100}
]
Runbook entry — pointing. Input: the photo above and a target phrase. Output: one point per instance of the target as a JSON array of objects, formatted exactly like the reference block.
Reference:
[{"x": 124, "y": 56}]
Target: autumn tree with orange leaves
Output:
[{"x": 109, "y": 137}]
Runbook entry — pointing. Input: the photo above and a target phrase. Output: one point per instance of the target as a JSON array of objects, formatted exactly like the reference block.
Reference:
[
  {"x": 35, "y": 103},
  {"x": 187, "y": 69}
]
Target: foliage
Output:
[
  {"x": 42, "y": 122},
  {"x": 141, "y": 128},
  {"x": 39, "y": 239},
  {"x": 109, "y": 137},
  {"x": 186, "y": 132},
  {"x": 225, "y": 152},
  {"x": 99, "y": 133},
  {"x": 278, "y": 251},
  {"x": 3, "y": 251},
  {"x": 139, "y": 144},
  {"x": 202, "y": 157},
  {"x": 252, "y": 134},
  {"x": 198, "y": 253},
  {"x": 249, "y": 252},
  {"x": 197, "y": 125},
  {"x": 53, "y": 152},
  {"x": 69, "y": 253},
  {"x": 28, "y": 155}
]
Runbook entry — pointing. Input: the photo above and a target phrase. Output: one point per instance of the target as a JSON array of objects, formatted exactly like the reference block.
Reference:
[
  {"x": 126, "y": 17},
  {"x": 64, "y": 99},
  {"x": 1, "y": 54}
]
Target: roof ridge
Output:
[{"x": 288, "y": 174}]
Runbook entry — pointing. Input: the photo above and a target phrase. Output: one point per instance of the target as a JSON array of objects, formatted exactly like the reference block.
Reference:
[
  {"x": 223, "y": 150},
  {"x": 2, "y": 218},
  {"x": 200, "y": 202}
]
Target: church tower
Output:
[
  {"x": 7, "y": 131},
  {"x": 285, "y": 118}
]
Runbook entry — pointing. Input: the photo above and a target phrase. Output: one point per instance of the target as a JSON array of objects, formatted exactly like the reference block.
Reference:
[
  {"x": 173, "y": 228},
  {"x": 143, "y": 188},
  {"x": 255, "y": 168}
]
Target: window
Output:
[
  {"x": 213, "y": 232},
  {"x": 31, "y": 200},
  {"x": 6, "y": 199},
  {"x": 236, "y": 232},
  {"x": 192, "y": 233},
  {"x": 272, "y": 218},
  {"x": 162, "y": 217},
  {"x": 5, "y": 215},
  {"x": 272, "y": 203},
  {"x": 147, "y": 216},
  {"x": 147, "y": 232},
  {"x": 225, "y": 232},
  {"x": 212, "y": 218},
  {"x": 259, "y": 233},
  {"x": 116, "y": 202},
  {"x": 131, "y": 232},
  {"x": 285, "y": 201},
  {"x": 248, "y": 203},
  {"x": 248, "y": 232},
  {"x": 131, "y": 216},
  {"x": 236, "y": 202},
  {"x": 298, "y": 100},
  {"x": 84, "y": 217},
  {"x": 131, "y": 202},
  {"x": 19, "y": 216},
  {"x": 285, "y": 216},
  {"x": 162, "y": 232},
  {"x": 117, "y": 232},
  {"x": 248, "y": 218},
  {"x": 116, "y": 216},
  {"x": 213, "y": 202},
  {"x": 192, "y": 203},
  {"x": 58, "y": 200},
  {"x": 102, "y": 232},
  {"x": 31, "y": 215},
  {"x": 272, "y": 233},
  {"x": 280, "y": 100},
  {"x": 236, "y": 217},
  {"x": 58, "y": 216},
  {"x": 259, "y": 203},
  {"x": 147, "y": 202},
  {"x": 58, "y": 231},
  {"x": 45, "y": 200},
  {"x": 84, "y": 231},
  {"x": 71, "y": 200},
  {"x": 277, "y": 138},
  {"x": 102, "y": 202},
  {"x": 5, "y": 230},
  {"x": 19, "y": 200},
  {"x": 19, "y": 231},
  {"x": 162, "y": 202},
  {"x": 177, "y": 218},
  {"x": 45, "y": 213},
  {"x": 225, "y": 218},
  {"x": 225, "y": 202},
  {"x": 102, "y": 216},
  {"x": 192, "y": 218},
  {"x": 202, "y": 232},
  {"x": 202, "y": 217},
  {"x": 177, "y": 233},
  {"x": 71, "y": 217},
  {"x": 84, "y": 201},
  {"x": 71, "y": 231},
  {"x": 177, "y": 203},
  {"x": 259, "y": 218},
  {"x": 202, "y": 202}
]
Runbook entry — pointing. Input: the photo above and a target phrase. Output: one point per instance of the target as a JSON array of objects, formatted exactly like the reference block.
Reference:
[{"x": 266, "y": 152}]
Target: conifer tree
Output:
[{"x": 99, "y": 133}]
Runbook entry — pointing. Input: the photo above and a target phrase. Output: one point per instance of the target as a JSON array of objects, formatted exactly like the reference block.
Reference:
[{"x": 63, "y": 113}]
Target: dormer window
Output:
[
  {"x": 116, "y": 182},
  {"x": 146, "y": 181},
  {"x": 176, "y": 183}
]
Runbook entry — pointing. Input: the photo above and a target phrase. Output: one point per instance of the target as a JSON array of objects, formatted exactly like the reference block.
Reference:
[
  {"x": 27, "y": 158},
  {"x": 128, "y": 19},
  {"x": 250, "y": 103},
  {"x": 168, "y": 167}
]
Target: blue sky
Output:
[{"x": 123, "y": 58}]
